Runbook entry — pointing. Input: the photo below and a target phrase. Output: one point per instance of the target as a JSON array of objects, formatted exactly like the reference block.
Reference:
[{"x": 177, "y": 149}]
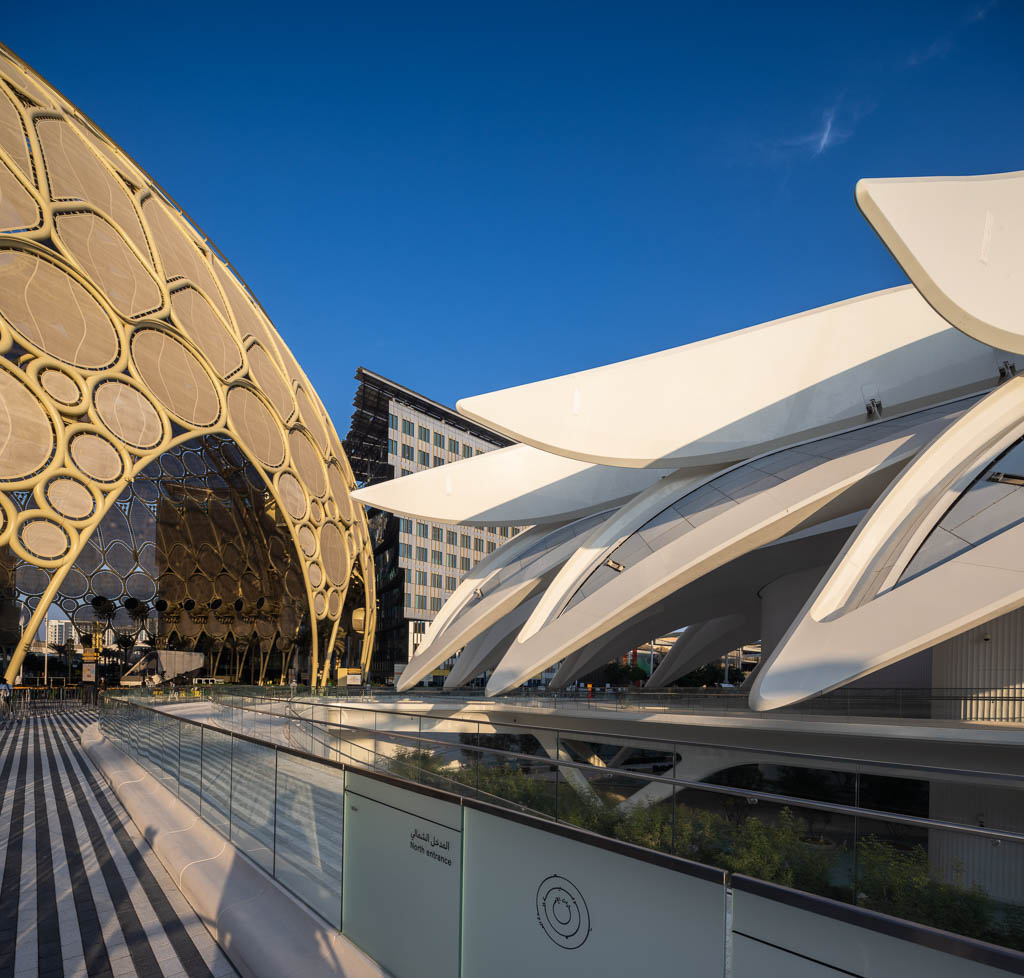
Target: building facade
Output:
[
  {"x": 396, "y": 432},
  {"x": 59, "y": 631}
]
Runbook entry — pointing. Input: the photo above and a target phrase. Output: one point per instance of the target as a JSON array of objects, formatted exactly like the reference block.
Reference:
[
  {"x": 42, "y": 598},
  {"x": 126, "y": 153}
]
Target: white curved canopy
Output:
[
  {"x": 734, "y": 513},
  {"x": 961, "y": 242},
  {"x": 869, "y": 612},
  {"x": 485, "y": 651},
  {"x": 734, "y": 585},
  {"x": 787, "y": 381},
  {"x": 514, "y": 486},
  {"x": 600, "y": 543}
]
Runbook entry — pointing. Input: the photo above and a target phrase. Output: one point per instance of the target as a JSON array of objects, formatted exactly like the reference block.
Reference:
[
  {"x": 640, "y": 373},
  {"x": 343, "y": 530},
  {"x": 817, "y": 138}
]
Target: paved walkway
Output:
[{"x": 81, "y": 892}]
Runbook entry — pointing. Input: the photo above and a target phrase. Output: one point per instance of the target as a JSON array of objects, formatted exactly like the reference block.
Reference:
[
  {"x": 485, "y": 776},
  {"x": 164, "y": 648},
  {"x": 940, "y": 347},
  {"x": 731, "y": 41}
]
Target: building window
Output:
[
  {"x": 491, "y": 546},
  {"x": 438, "y": 461},
  {"x": 436, "y": 533},
  {"x": 423, "y": 457},
  {"x": 503, "y": 530},
  {"x": 408, "y": 600},
  {"x": 437, "y": 558},
  {"x": 421, "y": 601},
  {"x": 515, "y": 531},
  {"x": 479, "y": 452},
  {"x": 424, "y": 434},
  {"x": 452, "y": 561},
  {"x": 467, "y": 541},
  {"x": 450, "y": 584},
  {"x": 405, "y": 550},
  {"x": 392, "y": 446},
  {"x": 435, "y": 581},
  {"x": 421, "y": 578},
  {"x": 464, "y": 563},
  {"x": 422, "y": 530},
  {"x": 421, "y": 554},
  {"x": 408, "y": 428},
  {"x": 467, "y": 451},
  {"x": 478, "y": 544},
  {"x": 407, "y": 452},
  {"x": 393, "y": 422},
  {"x": 406, "y": 471},
  {"x": 438, "y": 440},
  {"x": 435, "y": 604},
  {"x": 453, "y": 446},
  {"x": 452, "y": 538}
]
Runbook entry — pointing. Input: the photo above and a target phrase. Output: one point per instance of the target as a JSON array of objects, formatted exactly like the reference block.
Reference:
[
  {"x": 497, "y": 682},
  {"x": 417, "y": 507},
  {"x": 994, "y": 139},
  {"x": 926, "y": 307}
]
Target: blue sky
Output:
[{"x": 466, "y": 197}]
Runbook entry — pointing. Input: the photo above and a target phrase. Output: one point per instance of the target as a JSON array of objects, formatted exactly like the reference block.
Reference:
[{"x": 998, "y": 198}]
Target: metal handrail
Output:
[
  {"x": 495, "y": 799},
  {"x": 577, "y": 733},
  {"x": 745, "y": 793}
]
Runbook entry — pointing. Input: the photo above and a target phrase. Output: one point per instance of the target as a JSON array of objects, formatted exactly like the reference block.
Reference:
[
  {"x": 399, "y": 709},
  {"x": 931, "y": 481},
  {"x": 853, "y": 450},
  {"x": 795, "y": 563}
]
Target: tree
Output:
[
  {"x": 710, "y": 675},
  {"x": 616, "y": 674}
]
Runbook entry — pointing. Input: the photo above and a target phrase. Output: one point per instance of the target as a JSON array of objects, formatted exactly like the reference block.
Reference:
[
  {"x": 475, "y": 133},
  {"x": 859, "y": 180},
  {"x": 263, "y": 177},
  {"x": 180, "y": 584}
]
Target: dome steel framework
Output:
[{"x": 162, "y": 454}]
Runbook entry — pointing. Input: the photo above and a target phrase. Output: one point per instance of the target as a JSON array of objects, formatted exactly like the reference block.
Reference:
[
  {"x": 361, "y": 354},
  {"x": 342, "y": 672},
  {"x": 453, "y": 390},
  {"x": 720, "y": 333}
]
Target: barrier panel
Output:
[
  {"x": 548, "y": 904},
  {"x": 403, "y": 873},
  {"x": 432, "y": 884},
  {"x": 309, "y": 831},
  {"x": 776, "y": 931}
]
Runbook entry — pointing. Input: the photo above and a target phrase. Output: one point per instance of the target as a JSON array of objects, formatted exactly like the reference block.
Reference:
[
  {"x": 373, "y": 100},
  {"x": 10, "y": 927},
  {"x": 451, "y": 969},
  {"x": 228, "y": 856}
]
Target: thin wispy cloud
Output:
[
  {"x": 836, "y": 125},
  {"x": 838, "y": 121},
  {"x": 937, "y": 49},
  {"x": 828, "y": 135},
  {"x": 942, "y": 45},
  {"x": 980, "y": 12}
]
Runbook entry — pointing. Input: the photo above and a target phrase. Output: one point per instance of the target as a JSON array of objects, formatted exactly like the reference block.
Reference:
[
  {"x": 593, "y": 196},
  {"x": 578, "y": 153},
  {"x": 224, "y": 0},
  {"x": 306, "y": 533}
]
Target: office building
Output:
[
  {"x": 396, "y": 432},
  {"x": 59, "y": 631}
]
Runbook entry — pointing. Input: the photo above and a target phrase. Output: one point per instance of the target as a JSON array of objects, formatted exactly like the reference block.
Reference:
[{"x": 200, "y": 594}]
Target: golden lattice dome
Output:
[{"x": 160, "y": 448}]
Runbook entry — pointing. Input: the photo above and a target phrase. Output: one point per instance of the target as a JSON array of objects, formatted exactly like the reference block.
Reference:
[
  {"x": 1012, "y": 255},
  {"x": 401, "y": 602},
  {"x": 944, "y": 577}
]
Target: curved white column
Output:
[
  {"x": 734, "y": 585},
  {"x": 504, "y": 556},
  {"x": 704, "y": 643},
  {"x": 602, "y": 541},
  {"x": 866, "y": 613},
  {"x": 602, "y": 650},
  {"x": 961, "y": 242},
  {"x": 787, "y": 381},
  {"x": 508, "y": 584},
  {"x": 736, "y": 514},
  {"x": 514, "y": 486},
  {"x": 486, "y": 650}
]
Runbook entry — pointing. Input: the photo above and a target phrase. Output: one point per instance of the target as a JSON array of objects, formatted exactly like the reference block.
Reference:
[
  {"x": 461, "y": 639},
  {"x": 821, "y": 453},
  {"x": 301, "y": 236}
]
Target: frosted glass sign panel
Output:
[
  {"x": 403, "y": 867},
  {"x": 308, "y": 837},
  {"x": 539, "y": 904},
  {"x": 771, "y": 937}
]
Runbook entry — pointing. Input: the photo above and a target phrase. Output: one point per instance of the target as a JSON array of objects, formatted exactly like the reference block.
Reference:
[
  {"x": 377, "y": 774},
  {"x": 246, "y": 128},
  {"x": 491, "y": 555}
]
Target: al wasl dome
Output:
[{"x": 164, "y": 461}]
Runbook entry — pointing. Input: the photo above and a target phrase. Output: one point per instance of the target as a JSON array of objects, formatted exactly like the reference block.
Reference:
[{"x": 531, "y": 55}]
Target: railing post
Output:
[
  {"x": 231, "y": 782},
  {"x": 672, "y": 799},
  {"x": 273, "y": 857},
  {"x": 558, "y": 770}
]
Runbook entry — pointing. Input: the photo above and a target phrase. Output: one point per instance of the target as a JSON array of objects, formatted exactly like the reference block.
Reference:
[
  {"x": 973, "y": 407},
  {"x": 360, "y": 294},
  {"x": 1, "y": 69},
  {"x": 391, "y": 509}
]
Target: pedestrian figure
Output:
[{"x": 6, "y": 700}]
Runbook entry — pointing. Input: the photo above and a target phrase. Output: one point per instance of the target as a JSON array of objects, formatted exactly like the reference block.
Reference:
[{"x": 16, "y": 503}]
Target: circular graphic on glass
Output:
[{"x": 562, "y": 912}]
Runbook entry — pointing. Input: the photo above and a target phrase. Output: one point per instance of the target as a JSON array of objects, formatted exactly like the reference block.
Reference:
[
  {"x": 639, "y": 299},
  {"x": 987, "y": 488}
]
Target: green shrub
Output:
[{"x": 773, "y": 845}]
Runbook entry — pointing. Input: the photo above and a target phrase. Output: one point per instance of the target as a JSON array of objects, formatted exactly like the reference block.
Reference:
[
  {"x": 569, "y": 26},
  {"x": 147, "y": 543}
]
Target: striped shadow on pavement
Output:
[{"x": 82, "y": 895}]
